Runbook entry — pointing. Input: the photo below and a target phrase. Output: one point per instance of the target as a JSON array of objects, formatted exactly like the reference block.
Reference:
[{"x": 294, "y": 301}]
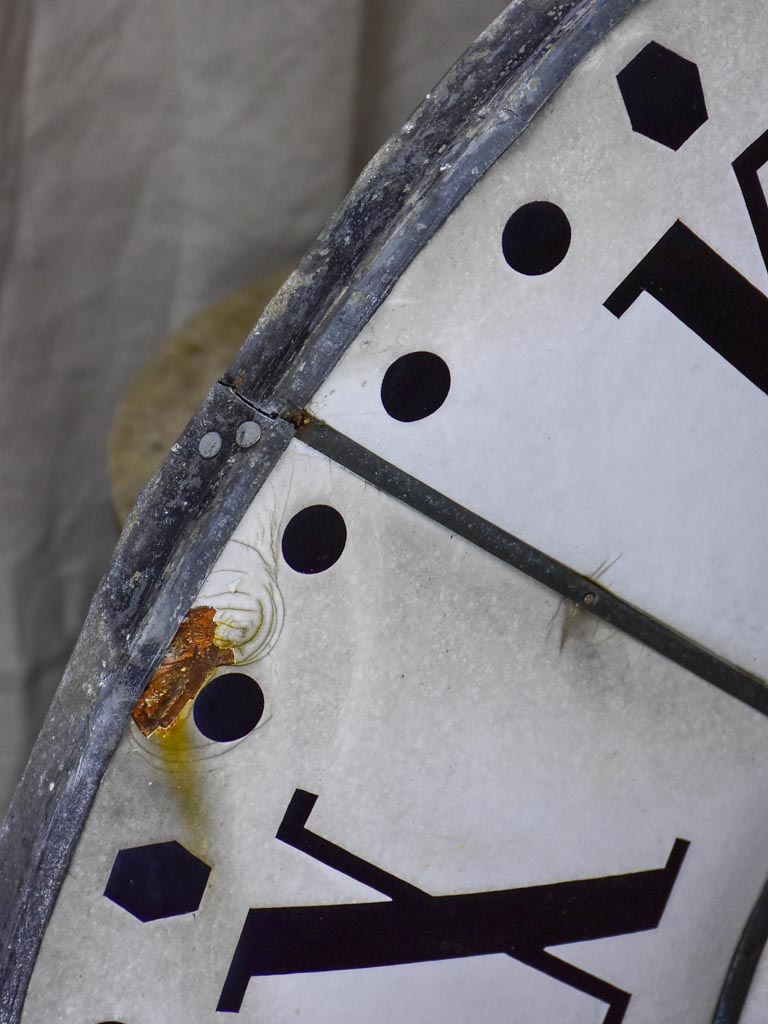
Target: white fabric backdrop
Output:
[{"x": 156, "y": 154}]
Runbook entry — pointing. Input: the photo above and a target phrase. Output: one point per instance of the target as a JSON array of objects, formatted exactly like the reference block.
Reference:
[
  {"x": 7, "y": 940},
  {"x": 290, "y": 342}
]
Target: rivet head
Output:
[
  {"x": 589, "y": 598},
  {"x": 210, "y": 444},
  {"x": 248, "y": 433}
]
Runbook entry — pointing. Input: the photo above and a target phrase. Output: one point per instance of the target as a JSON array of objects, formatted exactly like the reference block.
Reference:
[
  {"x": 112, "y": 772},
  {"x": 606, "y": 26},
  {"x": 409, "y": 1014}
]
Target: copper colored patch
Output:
[{"x": 191, "y": 657}]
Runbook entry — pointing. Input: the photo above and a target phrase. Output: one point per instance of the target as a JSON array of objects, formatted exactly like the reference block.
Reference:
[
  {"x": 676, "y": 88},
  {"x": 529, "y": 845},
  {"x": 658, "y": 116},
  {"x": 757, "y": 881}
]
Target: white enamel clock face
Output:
[
  {"x": 418, "y": 785},
  {"x": 422, "y": 695},
  {"x": 626, "y": 442}
]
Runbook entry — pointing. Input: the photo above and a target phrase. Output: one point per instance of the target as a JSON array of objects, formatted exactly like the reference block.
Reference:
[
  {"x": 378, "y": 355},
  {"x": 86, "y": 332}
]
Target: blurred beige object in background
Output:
[{"x": 169, "y": 388}]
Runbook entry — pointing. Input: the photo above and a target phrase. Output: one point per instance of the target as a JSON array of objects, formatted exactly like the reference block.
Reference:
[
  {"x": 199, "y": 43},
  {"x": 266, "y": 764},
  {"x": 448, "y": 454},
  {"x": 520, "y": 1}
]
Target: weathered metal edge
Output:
[
  {"x": 181, "y": 521},
  {"x": 189, "y": 509},
  {"x": 471, "y": 117}
]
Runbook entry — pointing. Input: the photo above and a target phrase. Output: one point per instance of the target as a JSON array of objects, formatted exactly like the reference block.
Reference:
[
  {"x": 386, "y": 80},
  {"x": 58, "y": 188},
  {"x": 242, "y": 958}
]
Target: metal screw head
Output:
[
  {"x": 589, "y": 598},
  {"x": 248, "y": 433},
  {"x": 210, "y": 444}
]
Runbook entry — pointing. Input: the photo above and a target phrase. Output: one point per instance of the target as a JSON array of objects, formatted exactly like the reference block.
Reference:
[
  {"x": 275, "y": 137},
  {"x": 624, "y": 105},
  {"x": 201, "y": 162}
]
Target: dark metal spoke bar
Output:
[{"x": 583, "y": 591}]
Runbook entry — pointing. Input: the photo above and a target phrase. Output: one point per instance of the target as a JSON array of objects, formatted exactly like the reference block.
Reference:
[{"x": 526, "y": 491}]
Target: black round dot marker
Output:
[
  {"x": 314, "y": 539},
  {"x": 229, "y": 707},
  {"x": 415, "y": 386},
  {"x": 536, "y": 238}
]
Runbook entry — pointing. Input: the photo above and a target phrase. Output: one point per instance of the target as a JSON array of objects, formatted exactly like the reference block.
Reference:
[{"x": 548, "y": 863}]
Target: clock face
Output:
[
  {"x": 386, "y": 771},
  {"x": 589, "y": 299},
  {"x": 426, "y": 799}
]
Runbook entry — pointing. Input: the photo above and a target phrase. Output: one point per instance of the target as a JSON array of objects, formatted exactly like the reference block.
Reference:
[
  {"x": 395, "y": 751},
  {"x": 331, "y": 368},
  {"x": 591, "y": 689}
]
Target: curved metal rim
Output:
[
  {"x": 476, "y": 111},
  {"x": 744, "y": 964}
]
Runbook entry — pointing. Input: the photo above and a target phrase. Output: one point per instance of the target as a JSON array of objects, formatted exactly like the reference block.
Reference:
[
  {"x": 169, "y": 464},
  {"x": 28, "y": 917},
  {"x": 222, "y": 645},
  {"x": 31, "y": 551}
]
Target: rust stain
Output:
[
  {"x": 298, "y": 418},
  {"x": 192, "y": 656}
]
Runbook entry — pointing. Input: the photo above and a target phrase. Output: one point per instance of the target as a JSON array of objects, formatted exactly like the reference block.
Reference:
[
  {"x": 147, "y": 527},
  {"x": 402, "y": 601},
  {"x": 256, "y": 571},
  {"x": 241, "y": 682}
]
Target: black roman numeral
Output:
[
  {"x": 414, "y": 926},
  {"x": 703, "y": 290}
]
